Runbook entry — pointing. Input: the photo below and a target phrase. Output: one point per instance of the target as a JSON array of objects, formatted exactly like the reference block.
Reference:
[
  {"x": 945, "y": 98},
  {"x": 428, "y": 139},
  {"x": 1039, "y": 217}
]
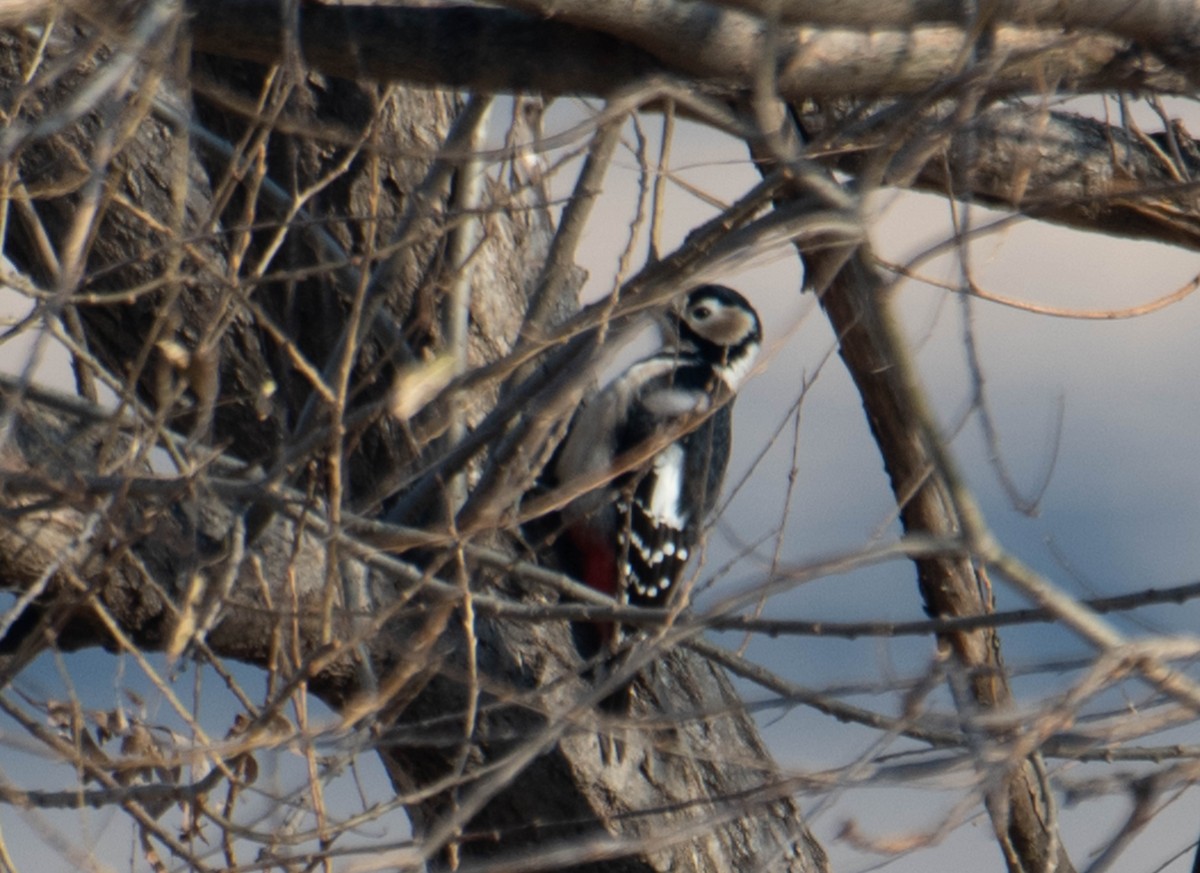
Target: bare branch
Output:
[{"x": 597, "y": 48}]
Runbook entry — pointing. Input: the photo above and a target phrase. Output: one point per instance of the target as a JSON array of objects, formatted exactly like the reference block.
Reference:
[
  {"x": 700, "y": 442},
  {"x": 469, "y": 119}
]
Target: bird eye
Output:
[{"x": 701, "y": 312}]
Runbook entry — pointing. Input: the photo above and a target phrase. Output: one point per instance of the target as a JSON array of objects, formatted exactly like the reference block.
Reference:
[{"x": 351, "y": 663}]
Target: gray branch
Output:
[{"x": 594, "y": 48}]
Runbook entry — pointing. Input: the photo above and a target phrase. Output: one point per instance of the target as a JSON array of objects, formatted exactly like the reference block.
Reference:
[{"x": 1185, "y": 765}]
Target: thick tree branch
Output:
[
  {"x": 850, "y": 290},
  {"x": 593, "y": 48},
  {"x": 711, "y": 42},
  {"x": 950, "y": 587},
  {"x": 1169, "y": 24},
  {"x": 484, "y": 49},
  {"x": 1050, "y": 165}
]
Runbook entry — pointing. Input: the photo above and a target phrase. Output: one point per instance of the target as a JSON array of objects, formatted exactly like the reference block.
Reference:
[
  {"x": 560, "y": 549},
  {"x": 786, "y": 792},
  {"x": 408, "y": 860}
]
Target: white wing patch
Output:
[
  {"x": 668, "y": 487},
  {"x": 656, "y": 525}
]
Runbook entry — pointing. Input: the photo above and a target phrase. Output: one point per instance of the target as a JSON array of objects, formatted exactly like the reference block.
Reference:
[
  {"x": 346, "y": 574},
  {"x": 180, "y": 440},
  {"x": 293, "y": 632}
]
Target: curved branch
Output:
[{"x": 1051, "y": 165}]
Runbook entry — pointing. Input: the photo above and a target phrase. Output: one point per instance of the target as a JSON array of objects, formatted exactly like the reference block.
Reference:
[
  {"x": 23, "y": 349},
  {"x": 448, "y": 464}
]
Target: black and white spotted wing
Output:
[{"x": 661, "y": 511}]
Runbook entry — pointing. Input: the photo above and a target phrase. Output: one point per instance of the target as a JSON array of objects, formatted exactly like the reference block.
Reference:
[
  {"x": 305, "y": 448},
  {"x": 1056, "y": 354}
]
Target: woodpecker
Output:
[{"x": 669, "y": 415}]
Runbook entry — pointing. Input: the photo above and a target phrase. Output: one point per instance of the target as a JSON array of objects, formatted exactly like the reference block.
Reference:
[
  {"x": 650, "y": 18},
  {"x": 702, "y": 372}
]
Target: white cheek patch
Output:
[{"x": 728, "y": 327}]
